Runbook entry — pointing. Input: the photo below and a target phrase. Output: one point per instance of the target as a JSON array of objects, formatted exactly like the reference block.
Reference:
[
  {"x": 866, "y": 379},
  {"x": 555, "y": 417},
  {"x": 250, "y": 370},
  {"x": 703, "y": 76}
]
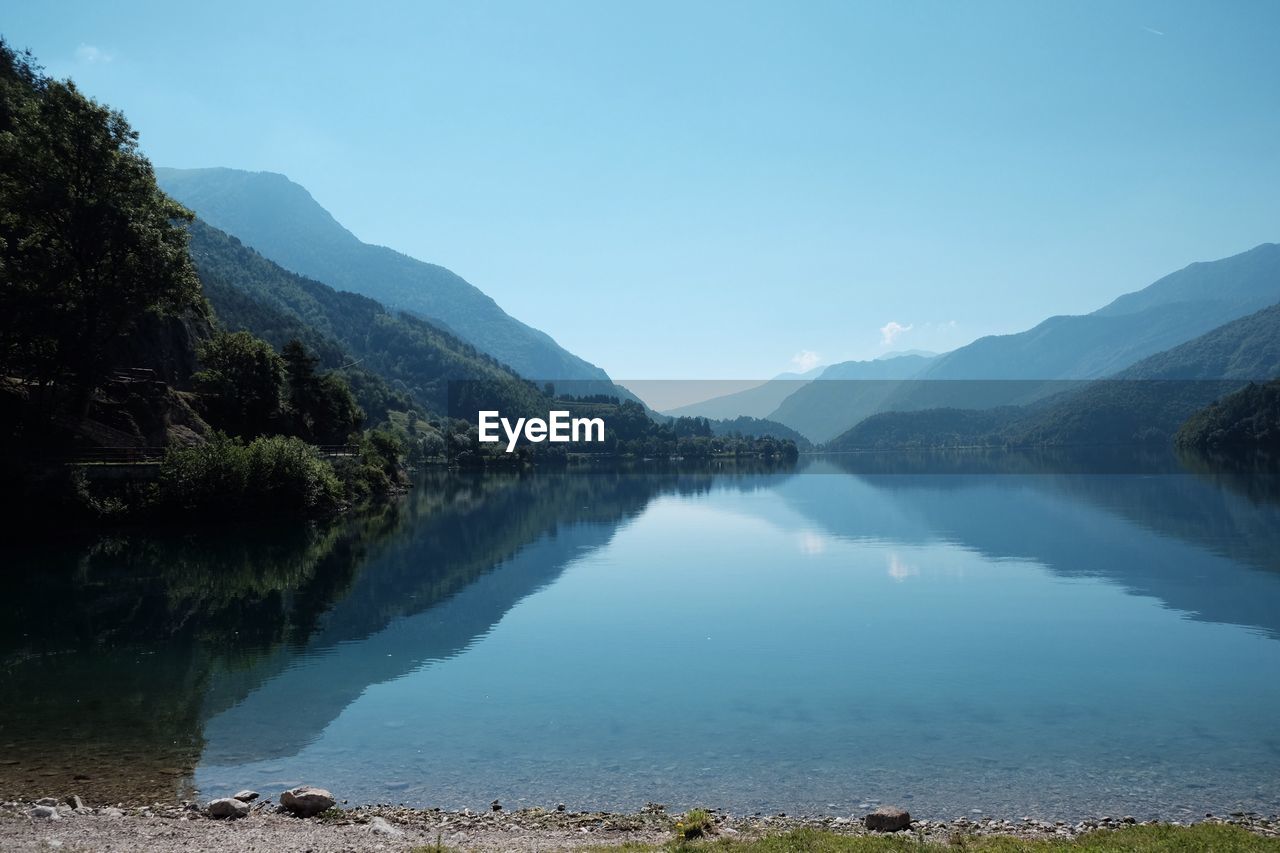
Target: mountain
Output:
[
  {"x": 1244, "y": 349},
  {"x": 753, "y": 402},
  {"x": 408, "y": 354},
  {"x": 1144, "y": 403},
  {"x": 282, "y": 221},
  {"x": 846, "y": 393},
  {"x": 1177, "y": 308}
]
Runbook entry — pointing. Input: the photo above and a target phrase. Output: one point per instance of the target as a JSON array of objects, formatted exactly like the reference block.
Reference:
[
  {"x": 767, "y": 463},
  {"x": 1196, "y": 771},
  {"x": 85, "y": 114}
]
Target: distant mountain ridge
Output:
[
  {"x": 1171, "y": 311},
  {"x": 1146, "y": 403},
  {"x": 281, "y": 220},
  {"x": 1176, "y": 308}
]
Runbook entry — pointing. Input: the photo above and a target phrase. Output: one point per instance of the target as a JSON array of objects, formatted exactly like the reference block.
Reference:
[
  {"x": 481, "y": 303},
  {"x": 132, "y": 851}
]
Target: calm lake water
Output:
[{"x": 810, "y": 641}]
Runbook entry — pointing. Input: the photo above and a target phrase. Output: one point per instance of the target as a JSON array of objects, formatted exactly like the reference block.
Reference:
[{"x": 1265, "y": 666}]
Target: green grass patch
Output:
[{"x": 695, "y": 823}]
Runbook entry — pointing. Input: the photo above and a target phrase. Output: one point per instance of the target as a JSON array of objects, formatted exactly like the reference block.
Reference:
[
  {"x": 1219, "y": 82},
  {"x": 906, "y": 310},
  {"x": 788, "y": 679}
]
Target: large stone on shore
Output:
[
  {"x": 227, "y": 807},
  {"x": 246, "y": 796},
  {"x": 44, "y": 813},
  {"x": 382, "y": 826},
  {"x": 888, "y": 819},
  {"x": 306, "y": 800}
]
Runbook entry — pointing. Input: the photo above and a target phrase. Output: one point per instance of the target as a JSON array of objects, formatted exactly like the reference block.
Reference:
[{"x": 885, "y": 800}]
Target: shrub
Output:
[
  {"x": 696, "y": 823},
  {"x": 225, "y": 477}
]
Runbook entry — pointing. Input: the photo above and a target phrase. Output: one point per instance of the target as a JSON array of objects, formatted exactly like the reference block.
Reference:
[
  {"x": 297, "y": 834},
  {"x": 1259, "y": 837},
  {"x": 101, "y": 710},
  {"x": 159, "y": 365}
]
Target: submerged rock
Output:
[
  {"x": 888, "y": 819},
  {"x": 306, "y": 800},
  {"x": 227, "y": 807}
]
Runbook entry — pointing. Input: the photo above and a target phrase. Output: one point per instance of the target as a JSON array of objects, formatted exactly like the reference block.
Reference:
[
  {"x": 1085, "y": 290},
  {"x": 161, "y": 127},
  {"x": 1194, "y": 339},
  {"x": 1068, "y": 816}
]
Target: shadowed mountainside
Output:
[{"x": 282, "y": 221}]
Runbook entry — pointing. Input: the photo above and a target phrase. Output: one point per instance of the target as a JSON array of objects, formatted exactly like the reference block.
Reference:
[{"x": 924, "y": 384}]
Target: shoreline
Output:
[{"x": 186, "y": 827}]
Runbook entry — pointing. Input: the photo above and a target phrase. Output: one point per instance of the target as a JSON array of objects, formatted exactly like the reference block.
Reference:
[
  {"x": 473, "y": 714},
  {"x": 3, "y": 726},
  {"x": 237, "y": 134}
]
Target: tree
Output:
[
  {"x": 243, "y": 383},
  {"x": 88, "y": 242},
  {"x": 323, "y": 407}
]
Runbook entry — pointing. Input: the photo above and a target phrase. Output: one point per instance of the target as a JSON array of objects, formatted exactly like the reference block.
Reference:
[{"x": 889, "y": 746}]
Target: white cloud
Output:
[
  {"x": 91, "y": 54},
  {"x": 806, "y": 360},
  {"x": 892, "y": 330}
]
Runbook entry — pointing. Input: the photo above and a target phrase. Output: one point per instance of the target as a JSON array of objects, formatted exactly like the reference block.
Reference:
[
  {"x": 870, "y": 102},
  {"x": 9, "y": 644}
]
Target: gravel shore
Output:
[{"x": 186, "y": 827}]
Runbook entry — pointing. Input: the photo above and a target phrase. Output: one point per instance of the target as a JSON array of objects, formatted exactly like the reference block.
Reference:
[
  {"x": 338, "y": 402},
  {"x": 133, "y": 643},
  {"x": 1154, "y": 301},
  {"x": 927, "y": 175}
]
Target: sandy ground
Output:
[{"x": 185, "y": 828}]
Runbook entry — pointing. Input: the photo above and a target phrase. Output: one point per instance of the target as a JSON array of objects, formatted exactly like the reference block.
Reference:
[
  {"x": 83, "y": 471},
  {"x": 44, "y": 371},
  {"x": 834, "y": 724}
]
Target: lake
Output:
[{"x": 1003, "y": 635}]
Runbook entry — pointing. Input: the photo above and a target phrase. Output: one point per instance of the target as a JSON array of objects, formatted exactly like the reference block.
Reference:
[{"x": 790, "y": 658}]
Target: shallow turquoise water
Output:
[{"x": 808, "y": 641}]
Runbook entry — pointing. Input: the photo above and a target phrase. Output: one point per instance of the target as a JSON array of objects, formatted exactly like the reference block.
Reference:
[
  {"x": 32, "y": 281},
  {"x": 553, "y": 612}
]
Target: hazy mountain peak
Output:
[{"x": 282, "y": 220}]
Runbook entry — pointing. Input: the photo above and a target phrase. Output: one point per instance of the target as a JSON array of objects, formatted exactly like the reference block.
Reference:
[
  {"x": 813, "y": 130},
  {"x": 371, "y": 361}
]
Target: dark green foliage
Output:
[
  {"x": 758, "y": 428},
  {"x": 375, "y": 470},
  {"x": 1249, "y": 419},
  {"x": 242, "y": 384},
  {"x": 88, "y": 243},
  {"x": 227, "y": 478},
  {"x": 322, "y": 408}
]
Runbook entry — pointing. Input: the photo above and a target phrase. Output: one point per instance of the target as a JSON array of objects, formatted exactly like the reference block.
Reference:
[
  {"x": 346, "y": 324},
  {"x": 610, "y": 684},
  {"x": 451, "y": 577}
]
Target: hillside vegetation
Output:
[
  {"x": 282, "y": 221},
  {"x": 1248, "y": 419}
]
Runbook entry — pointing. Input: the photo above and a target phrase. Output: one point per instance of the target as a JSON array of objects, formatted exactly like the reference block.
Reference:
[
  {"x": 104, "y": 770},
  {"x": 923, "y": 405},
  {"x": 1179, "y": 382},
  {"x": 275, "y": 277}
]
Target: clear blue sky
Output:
[{"x": 710, "y": 189}]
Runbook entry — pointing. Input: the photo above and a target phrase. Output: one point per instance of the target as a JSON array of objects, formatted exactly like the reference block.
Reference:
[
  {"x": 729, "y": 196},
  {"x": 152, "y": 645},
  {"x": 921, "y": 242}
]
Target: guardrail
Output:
[{"x": 153, "y": 455}]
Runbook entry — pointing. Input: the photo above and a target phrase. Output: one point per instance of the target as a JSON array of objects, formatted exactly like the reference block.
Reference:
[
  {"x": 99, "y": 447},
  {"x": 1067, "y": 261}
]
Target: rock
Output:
[
  {"x": 227, "y": 807},
  {"x": 245, "y": 796},
  {"x": 306, "y": 800},
  {"x": 559, "y": 807},
  {"x": 44, "y": 812},
  {"x": 75, "y": 802},
  {"x": 111, "y": 811},
  {"x": 496, "y": 806},
  {"x": 888, "y": 819},
  {"x": 47, "y": 801},
  {"x": 381, "y": 826}
]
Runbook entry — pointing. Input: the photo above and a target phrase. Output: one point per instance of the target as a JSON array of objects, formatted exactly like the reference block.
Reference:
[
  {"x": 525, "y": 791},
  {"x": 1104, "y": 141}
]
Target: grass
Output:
[
  {"x": 1133, "y": 839},
  {"x": 696, "y": 823}
]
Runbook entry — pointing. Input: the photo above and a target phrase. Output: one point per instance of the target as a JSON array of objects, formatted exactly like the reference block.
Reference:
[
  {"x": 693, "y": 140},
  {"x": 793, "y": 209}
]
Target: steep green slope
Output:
[
  {"x": 1248, "y": 419},
  {"x": 1248, "y": 348},
  {"x": 411, "y": 355},
  {"x": 282, "y": 221}
]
